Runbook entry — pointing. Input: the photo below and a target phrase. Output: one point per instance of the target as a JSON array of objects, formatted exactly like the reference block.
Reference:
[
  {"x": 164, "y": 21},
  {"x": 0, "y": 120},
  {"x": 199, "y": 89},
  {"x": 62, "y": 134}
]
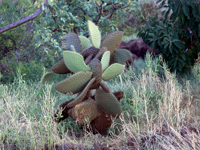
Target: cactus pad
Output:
[
  {"x": 85, "y": 43},
  {"x": 60, "y": 68},
  {"x": 112, "y": 71},
  {"x": 82, "y": 95},
  {"x": 120, "y": 56},
  {"x": 71, "y": 39},
  {"x": 75, "y": 83},
  {"x": 104, "y": 87},
  {"x": 47, "y": 77},
  {"x": 108, "y": 103},
  {"x": 75, "y": 62},
  {"x": 113, "y": 41},
  {"x": 85, "y": 112},
  {"x": 94, "y": 34},
  {"x": 96, "y": 68},
  {"x": 105, "y": 60}
]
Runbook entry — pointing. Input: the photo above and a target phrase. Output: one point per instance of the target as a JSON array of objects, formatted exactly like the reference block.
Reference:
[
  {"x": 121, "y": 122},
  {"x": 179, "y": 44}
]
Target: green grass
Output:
[{"x": 150, "y": 101}]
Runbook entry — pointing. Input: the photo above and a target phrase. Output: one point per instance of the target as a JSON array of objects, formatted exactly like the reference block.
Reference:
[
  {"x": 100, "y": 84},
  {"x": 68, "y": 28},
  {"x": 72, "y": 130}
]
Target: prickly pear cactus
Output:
[{"x": 90, "y": 63}]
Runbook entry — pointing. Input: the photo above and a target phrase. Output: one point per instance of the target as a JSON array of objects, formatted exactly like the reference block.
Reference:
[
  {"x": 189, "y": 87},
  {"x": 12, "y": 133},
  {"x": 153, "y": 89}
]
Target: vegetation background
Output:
[{"x": 161, "y": 110}]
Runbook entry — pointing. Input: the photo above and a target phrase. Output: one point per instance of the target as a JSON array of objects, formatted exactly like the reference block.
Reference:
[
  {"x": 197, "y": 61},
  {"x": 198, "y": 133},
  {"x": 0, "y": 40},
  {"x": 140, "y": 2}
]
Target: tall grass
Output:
[{"x": 157, "y": 110}]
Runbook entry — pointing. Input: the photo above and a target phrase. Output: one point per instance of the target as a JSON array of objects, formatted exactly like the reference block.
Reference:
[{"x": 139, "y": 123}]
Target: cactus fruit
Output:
[
  {"x": 75, "y": 62},
  {"x": 108, "y": 103},
  {"x": 85, "y": 112},
  {"x": 89, "y": 64},
  {"x": 47, "y": 77},
  {"x": 75, "y": 83},
  {"x": 94, "y": 34}
]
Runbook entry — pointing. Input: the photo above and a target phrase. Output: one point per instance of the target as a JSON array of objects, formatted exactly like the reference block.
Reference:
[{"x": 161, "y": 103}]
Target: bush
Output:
[
  {"x": 177, "y": 36},
  {"x": 62, "y": 17},
  {"x": 18, "y": 39},
  {"x": 139, "y": 17}
]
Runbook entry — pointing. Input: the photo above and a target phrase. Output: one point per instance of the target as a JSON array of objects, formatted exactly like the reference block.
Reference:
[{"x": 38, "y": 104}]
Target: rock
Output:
[{"x": 138, "y": 49}]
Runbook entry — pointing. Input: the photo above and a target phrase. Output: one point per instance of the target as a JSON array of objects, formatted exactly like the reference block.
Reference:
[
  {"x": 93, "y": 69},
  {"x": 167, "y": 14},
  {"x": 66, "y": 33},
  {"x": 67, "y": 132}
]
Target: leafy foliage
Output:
[
  {"x": 16, "y": 39},
  {"x": 176, "y": 35},
  {"x": 61, "y": 17}
]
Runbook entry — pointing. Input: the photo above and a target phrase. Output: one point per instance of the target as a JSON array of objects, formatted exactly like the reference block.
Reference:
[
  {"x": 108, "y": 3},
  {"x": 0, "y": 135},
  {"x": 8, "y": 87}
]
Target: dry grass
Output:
[{"x": 158, "y": 114}]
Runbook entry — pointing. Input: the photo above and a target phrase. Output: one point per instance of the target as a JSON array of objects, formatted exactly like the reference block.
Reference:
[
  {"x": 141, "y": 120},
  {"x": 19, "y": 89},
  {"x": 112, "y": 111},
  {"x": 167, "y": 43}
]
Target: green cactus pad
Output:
[
  {"x": 105, "y": 60},
  {"x": 112, "y": 71},
  {"x": 120, "y": 56},
  {"x": 75, "y": 62},
  {"x": 85, "y": 42},
  {"x": 89, "y": 51},
  {"x": 94, "y": 34},
  {"x": 113, "y": 41},
  {"x": 71, "y": 39},
  {"x": 60, "y": 68},
  {"x": 108, "y": 103},
  {"x": 85, "y": 112},
  {"x": 96, "y": 68},
  {"x": 82, "y": 95},
  {"x": 47, "y": 77},
  {"x": 75, "y": 83}
]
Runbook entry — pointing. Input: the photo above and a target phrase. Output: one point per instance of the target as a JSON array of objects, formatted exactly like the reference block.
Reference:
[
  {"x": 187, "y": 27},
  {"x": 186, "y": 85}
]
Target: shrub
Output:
[
  {"x": 17, "y": 39},
  {"x": 62, "y": 17},
  {"x": 177, "y": 36}
]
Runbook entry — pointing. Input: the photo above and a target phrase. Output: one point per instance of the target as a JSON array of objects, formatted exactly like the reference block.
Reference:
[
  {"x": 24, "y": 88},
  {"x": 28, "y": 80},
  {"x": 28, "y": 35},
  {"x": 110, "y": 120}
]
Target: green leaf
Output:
[
  {"x": 170, "y": 47},
  {"x": 186, "y": 10},
  {"x": 199, "y": 29}
]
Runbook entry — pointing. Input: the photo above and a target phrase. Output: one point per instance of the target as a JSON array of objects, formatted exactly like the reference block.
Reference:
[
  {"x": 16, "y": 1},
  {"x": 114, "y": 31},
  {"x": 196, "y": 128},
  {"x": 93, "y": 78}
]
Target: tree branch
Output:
[{"x": 22, "y": 21}]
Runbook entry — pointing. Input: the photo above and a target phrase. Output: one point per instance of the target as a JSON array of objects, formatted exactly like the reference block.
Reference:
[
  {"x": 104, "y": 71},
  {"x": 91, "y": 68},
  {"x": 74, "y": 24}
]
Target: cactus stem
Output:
[
  {"x": 87, "y": 60},
  {"x": 104, "y": 87},
  {"x": 101, "y": 51}
]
